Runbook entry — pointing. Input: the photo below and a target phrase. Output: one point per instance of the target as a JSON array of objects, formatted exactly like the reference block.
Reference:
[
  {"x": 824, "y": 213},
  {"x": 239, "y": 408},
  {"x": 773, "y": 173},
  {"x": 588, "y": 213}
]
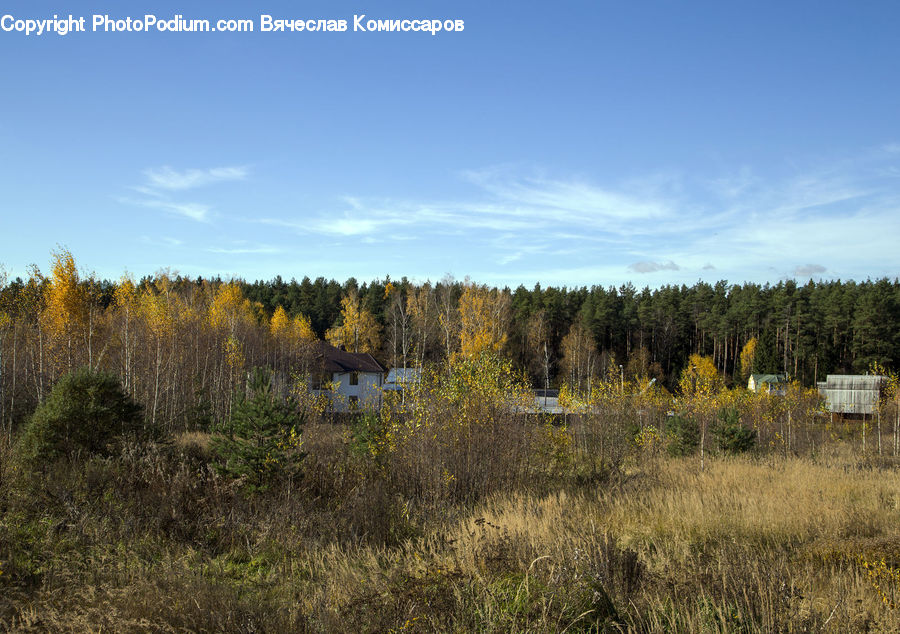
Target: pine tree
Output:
[
  {"x": 765, "y": 354},
  {"x": 262, "y": 440}
]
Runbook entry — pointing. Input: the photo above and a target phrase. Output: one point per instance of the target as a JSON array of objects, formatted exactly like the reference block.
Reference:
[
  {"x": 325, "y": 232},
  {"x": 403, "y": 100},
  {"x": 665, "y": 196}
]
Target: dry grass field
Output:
[{"x": 153, "y": 540}]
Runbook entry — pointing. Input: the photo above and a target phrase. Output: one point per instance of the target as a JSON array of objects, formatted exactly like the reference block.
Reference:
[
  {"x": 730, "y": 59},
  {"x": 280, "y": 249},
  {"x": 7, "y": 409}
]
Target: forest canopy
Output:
[{"x": 179, "y": 344}]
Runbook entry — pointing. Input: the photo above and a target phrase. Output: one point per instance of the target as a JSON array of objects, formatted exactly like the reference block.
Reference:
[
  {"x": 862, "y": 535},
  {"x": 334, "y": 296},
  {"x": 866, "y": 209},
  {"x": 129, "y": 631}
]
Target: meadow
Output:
[{"x": 459, "y": 513}]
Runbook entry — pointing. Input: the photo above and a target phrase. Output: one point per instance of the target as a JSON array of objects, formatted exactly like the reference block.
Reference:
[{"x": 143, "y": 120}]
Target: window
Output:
[
  {"x": 354, "y": 378},
  {"x": 354, "y": 403}
]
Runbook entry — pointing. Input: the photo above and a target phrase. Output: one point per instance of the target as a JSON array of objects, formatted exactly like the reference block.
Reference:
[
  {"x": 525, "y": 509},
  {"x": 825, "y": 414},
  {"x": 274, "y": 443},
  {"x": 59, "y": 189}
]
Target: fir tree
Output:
[{"x": 262, "y": 441}]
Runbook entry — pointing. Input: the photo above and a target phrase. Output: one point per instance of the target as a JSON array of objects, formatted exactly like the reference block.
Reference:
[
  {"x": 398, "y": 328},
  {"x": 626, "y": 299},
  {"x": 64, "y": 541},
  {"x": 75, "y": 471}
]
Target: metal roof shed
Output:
[{"x": 852, "y": 393}]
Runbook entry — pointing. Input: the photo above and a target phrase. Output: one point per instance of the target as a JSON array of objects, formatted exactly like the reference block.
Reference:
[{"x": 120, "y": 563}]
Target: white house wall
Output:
[{"x": 367, "y": 391}]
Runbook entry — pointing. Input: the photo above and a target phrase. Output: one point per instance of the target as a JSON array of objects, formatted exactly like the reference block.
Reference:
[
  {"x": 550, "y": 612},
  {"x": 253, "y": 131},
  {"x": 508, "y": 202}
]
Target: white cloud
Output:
[
  {"x": 523, "y": 206},
  {"x": 512, "y": 257},
  {"x": 734, "y": 185},
  {"x": 162, "y": 242},
  {"x": 843, "y": 215},
  {"x": 163, "y": 181},
  {"x": 192, "y": 211},
  {"x": 166, "y": 178},
  {"x": 653, "y": 267},
  {"x": 809, "y": 270}
]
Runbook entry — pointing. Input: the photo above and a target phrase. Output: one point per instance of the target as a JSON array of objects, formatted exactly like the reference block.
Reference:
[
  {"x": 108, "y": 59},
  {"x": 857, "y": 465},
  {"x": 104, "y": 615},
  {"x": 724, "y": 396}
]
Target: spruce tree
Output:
[
  {"x": 262, "y": 440},
  {"x": 766, "y": 359}
]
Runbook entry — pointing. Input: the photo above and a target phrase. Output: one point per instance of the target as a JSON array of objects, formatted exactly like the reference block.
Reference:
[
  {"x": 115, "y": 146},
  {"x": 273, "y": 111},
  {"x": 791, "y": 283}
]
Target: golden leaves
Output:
[
  {"x": 157, "y": 314},
  {"x": 125, "y": 295},
  {"x": 291, "y": 333},
  {"x": 700, "y": 377},
  {"x": 358, "y": 331},
  {"x": 228, "y": 308},
  {"x": 65, "y": 300},
  {"x": 280, "y": 325},
  {"x": 234, "y": 353},
  {"x": 302, "y": 328},
  {"x": 748, "y": 356},
  {"x": 484, "y": 318}
]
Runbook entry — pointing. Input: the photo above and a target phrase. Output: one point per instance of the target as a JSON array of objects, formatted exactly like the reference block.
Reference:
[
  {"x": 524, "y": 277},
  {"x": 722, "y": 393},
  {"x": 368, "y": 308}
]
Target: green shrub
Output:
[
  {"x": 731, "y": 436},
  {"x": 261, "y": 442},
  {"x": 683, "y": 434},
  {"x": 367, "y": 432},
  {"x": 84, "y": 413}
]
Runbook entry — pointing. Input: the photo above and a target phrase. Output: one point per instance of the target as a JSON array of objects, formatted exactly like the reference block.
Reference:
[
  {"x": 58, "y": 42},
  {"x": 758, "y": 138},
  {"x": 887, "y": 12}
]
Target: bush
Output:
[
  {"x": 261, "y": 442},
  {"x": 683, "y": 434},
  {"x": 84, "y": 413},
  {"x": 731, "y": 436}
]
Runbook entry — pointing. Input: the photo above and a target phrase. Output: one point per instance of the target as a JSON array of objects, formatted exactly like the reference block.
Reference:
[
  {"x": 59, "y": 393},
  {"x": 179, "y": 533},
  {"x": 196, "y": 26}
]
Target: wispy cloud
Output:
[
  {"x": 192, "y": 211},
  {"x": 568, "y": 201},
  {"x": 161, "y": 183},
  {"x": 167, "y": 178},
  {"x": 162, "y": 242},
  {"x": 808, "y": 270},
  {"x": 653, "y": 267},
  {"x": 732, "y": 186},
  {"x": 842, "y": 216},
  {"x": 521, "y": 205}
]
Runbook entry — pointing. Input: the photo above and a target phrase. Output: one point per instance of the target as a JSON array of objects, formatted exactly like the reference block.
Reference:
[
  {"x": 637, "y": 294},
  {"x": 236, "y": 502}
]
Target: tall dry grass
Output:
[
  {"x": 743, "y": 546},
  {"x": 153, "y": 539}
]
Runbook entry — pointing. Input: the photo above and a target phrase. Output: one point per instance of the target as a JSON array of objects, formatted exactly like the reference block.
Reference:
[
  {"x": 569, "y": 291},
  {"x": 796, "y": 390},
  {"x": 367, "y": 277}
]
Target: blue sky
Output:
[{"x": 571, "y": 143}]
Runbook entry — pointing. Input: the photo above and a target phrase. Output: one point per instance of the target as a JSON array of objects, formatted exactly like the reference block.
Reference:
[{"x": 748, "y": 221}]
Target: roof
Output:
[
  {"x": 854, "y": 381},
  {"x": 771, "y": 379},
  {"x": 852, "y": 393},
  {"x": 337, "y": 360}
]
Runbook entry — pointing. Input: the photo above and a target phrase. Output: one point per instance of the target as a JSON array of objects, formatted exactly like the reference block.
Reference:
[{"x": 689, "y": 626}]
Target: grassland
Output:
[{"x": 152, "y": 539}]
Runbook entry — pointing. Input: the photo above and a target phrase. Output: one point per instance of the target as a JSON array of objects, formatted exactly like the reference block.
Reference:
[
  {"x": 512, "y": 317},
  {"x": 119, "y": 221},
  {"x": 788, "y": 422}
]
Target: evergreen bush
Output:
[
  {"x": 731, "y": 436},
  {"x": 84, "y": 413},
  {"x": 683, "y": 435},
  {"x": 261, "y": 442}
]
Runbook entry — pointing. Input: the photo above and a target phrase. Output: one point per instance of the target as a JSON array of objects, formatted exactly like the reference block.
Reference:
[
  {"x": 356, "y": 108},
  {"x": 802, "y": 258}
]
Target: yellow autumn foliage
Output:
[
  {"x": 290, "y": 332},
  {"x": 280, "y": 325},
  {"x": 357, "y": 331},
  {"x": 484, "y": 320},
  {"x": 64, "y": 303},
  {"x": 700, "y": 377},
  {"x": 229, "y": 309},
  {"x": 748, "y": 355}
]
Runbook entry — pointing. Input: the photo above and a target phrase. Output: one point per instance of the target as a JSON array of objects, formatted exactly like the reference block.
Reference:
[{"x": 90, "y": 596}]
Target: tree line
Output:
[
  {"x": 183, "y": 346},
  {"x": 557, "y": 334}
]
